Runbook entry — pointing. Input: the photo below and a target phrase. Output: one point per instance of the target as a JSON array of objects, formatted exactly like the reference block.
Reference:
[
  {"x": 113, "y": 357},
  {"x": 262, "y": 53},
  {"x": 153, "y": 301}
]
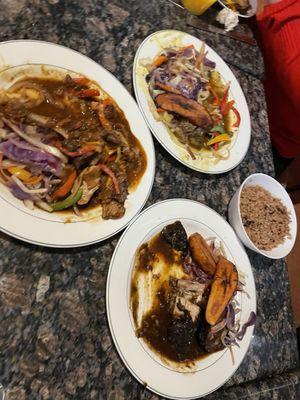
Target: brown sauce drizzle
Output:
[{"x": 156, "y": 323}]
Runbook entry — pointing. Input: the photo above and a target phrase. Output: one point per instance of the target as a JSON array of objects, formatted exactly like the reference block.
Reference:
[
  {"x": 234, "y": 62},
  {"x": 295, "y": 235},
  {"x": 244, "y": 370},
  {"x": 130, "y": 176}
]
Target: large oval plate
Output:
[
  {"x": 46, "y": 229},
  {"x": 150, "y": 47},
  {"x": 214, "y": 370}
]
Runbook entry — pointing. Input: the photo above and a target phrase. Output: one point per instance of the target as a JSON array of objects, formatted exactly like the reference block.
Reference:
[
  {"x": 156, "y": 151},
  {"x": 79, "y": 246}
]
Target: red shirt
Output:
[{"x": 279, "y": 31}]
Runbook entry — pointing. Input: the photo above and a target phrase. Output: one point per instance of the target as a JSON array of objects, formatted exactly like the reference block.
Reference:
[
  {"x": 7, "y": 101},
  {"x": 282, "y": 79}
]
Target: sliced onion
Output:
[
  {"x": 31, "y": 85},
  {"x": 29, "y": 204},
  {"x": 223, "y": 338},
  {"x": 219, "y": 326},
  {"x": 49, "y": 149},
  {"x": 25, "y": 189},
  {"x": 76, "y": 211},
  {"x": 219, "y": 155},
  {"x": 230, "y": 317},
  {"x": 3, "y": 176},
  {"x": 232, "y": 355},
  {"x": 43, "y": 205},
  {"x": 3, "y": 133},
  {"x": 9, "y": 163}
]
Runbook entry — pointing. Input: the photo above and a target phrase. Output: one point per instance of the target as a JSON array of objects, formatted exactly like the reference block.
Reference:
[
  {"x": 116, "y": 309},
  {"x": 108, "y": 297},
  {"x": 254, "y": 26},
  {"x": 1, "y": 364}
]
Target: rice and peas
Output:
[{"x": 265, "y": 218}]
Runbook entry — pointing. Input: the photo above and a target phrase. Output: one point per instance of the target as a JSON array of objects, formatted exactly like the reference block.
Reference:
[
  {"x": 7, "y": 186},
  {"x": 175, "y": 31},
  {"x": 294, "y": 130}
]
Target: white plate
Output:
[
  {"x": 150, "y": 47},
  {"x": 213, "y": 371},
  {"x": 40, "y": 227}
]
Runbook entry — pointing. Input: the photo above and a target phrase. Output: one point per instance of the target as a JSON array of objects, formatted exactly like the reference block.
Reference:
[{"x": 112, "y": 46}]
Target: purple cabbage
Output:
[
  {"x": 189, "y": 52},
  {"x": 21, "y": 151},
  {"x": 162, "y": 75},
  {"x": 208, "y": 63},
  {"x": 195, "y": 271},
  {"x": 251, "y": 321},
  {"x": 18, "y": 192},
  {"x": 189, "y": 87},
  {"x": 230, "y": 317}
]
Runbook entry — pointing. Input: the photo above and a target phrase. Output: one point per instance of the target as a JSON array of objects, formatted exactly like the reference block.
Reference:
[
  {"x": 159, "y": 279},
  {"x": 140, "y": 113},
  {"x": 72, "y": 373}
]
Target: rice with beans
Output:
[{"x": 265, "y": 219}]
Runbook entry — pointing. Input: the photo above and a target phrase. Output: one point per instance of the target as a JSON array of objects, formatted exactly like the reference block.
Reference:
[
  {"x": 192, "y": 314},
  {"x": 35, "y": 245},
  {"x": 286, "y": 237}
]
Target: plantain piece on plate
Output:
[
  {"x": 223, "y": 287},
  {"x": 176, "y": 237},
  {"x": 186, "y": 108},
  {"x": 201, "y": 254}
]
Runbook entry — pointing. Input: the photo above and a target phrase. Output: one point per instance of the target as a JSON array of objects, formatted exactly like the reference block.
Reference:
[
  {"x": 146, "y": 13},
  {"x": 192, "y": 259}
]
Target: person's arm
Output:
[{"x": 279, "y": 36}]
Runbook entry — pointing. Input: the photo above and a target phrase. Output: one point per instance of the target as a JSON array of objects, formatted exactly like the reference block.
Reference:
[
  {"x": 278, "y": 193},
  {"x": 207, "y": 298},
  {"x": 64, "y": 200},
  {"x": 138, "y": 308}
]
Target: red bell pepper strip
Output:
[
  {"x": 227, "y": 107},
  {"x": 111, "y": 157},
  {"x": 238, "y": 118},
  {"x": 86, "y": 93},
  {"x": 66, "y": 187},
  {"x": 113, "y": 177},
  {"x": 86, "y": 148},
  {"x": 216, "y": 145},
  {"x": 216, "y": 97},
  {"x": 81, "y": 80}
]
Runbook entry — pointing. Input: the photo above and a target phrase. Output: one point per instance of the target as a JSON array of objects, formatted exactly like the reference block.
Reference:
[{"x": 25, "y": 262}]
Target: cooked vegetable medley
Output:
[
  {"x": 64, "y": 144},
  {"x": 191, "y": 99}
]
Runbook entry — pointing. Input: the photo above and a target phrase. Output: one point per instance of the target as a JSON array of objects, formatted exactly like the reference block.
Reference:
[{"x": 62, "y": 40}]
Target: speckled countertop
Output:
[{"x": 58, "y": 346}]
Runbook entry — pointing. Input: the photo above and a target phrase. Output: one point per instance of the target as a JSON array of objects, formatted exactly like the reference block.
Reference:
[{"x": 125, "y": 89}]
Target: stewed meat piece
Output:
[{"x": 175, "y": 235}]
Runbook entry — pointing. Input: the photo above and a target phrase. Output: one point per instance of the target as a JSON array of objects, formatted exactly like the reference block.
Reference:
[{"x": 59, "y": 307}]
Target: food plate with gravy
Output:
[
  {"x": 181, "y": 299},
  {"x": 76, "y": 157}
]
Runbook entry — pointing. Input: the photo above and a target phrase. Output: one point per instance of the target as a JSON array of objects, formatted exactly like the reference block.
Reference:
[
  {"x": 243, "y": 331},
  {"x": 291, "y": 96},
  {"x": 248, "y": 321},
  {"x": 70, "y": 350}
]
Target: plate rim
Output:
[
  {"x": 136, "y": 91},
  {"x": 111, "y": 330},
  {"x": 89, "y": 243}
]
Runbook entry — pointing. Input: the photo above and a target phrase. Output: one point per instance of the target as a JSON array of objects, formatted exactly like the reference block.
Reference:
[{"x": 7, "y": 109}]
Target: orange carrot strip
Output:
[
  {"x": 66, "y": 187},
  {"x": 87, "y": 148},
  {"x": 238, "y": 118},
  {"x": 81, "y": 80},
  {"x": 87, "y": 93},
  {"x": 160, "y": 60}
]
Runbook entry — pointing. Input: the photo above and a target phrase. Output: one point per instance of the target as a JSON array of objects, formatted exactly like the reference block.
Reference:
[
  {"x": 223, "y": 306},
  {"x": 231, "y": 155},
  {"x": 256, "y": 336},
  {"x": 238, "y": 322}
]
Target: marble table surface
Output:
[{"x": 57, "y": 345}]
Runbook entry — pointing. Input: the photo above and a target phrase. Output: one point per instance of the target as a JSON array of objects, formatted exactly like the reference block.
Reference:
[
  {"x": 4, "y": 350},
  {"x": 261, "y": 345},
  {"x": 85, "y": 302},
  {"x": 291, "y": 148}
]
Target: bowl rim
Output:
[{"x": 290, "y": 208}]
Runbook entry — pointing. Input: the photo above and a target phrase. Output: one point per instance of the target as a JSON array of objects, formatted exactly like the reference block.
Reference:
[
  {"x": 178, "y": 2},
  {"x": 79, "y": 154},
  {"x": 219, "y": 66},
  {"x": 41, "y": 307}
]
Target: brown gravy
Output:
[
  {"x": 155, "y": 324},
  {"x": 84, "y": 114}
]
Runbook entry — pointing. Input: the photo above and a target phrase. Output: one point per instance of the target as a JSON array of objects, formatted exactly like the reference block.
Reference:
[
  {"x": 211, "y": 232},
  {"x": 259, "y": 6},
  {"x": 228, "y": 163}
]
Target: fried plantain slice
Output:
[
  {"x": 201, "y": 253},
  {"x": 186, "y": 108},
  {"x": 223, "y": 287}
]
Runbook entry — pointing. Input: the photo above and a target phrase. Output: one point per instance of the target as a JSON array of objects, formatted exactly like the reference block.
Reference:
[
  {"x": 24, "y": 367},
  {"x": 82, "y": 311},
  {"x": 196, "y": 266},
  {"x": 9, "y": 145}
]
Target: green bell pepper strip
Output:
[
  {"x": 217, "y": 128},
  {"x": 68, "y": 202}
]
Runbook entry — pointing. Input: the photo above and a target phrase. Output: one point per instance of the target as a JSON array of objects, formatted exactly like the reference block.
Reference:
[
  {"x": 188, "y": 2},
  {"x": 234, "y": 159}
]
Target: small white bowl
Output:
[
  {"x": 253, "y": 4},
  {"x": 277, "y": 190}
]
